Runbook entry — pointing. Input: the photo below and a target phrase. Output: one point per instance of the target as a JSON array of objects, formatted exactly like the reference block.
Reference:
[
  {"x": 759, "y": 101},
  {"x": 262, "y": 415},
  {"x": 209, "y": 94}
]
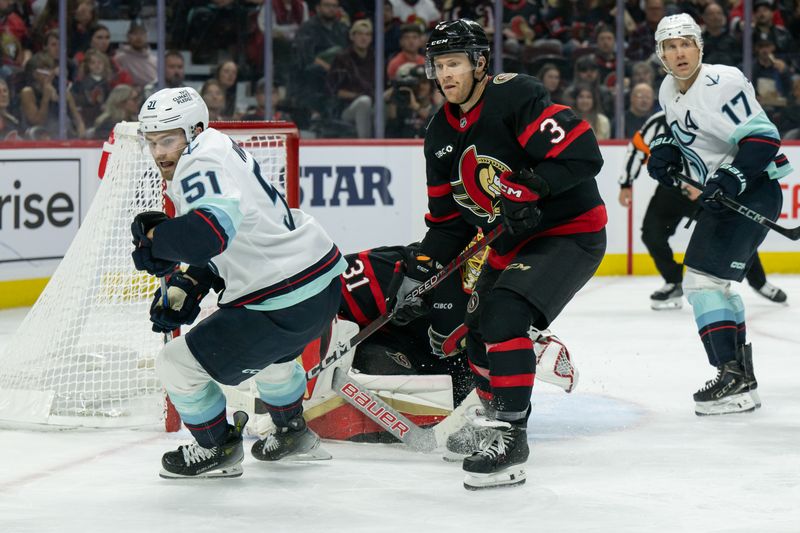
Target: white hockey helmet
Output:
[
  {"x": 676, "y": 27},
  {"x": 169, "y": 109}
]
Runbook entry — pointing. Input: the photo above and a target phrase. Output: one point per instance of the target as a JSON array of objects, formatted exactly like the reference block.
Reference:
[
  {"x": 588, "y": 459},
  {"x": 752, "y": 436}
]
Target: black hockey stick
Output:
[
  {"x": 733, "y": 205},
  {"x": 424, "y": 288}
]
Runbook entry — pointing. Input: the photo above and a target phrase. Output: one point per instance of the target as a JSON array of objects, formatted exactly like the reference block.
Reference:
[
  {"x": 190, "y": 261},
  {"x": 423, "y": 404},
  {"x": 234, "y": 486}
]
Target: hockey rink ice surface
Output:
[{"x": 624, "y": 453}]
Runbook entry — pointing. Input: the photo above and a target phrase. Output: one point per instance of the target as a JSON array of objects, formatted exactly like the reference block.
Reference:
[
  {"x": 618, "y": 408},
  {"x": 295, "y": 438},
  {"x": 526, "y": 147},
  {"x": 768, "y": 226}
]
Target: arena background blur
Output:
[{"x": 72, "y": 69}]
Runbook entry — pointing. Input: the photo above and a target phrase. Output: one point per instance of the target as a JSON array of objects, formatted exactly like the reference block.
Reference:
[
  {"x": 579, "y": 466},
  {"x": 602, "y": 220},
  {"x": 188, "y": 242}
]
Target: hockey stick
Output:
[
  {"x": 733, "y": 205},
  {"x": 426, "y": 287},
  {"x": 165, "y": 304}
]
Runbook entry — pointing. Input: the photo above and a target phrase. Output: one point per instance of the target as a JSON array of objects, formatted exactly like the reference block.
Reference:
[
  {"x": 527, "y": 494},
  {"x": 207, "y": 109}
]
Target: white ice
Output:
[{"x": 624, "y": 453}]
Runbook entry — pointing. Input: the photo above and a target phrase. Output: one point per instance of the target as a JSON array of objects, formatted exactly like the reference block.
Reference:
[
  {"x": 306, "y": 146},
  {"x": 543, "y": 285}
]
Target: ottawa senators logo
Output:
[{"x": 477, "y": 187}]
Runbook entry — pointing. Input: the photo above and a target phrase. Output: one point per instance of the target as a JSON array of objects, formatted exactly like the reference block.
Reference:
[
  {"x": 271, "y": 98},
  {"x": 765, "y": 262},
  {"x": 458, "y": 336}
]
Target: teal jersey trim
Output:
[
  {"x": 201, "y": 406},
  {"x": 760, "y": 124},
  {"x": 227, "y": 212},
  {"x": 710, "y": 307},
  {"x": 286, "y": 393},
  {"x": 301, "y": 293}
]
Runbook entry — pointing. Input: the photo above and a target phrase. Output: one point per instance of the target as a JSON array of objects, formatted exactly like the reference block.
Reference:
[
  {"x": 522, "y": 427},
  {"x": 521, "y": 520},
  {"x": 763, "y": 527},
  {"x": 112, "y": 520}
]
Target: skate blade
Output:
[
  {"x": 756, "y": 398},
  {"x": 454, "y": 457},
  {"x": 674, "y": 303},
  {"x": 230, "y": 471},
  {"x": 509, "y": 477},
  {"x": 738, "y": 403},
  {"x": 317, "y": 453}
]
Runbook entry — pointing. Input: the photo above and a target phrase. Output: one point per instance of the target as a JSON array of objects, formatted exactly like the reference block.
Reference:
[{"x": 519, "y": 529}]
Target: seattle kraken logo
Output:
[{"x": 685, "y": 139}]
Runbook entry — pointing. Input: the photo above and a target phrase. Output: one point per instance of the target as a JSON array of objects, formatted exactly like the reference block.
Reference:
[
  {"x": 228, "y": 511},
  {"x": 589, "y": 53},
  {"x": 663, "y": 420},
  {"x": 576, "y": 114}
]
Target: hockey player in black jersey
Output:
[{"x": 500, "y": 152}]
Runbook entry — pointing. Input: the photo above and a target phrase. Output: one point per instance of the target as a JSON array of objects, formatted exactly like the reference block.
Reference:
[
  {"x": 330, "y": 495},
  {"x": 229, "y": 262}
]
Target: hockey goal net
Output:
[{"x": 84, "y": 355}]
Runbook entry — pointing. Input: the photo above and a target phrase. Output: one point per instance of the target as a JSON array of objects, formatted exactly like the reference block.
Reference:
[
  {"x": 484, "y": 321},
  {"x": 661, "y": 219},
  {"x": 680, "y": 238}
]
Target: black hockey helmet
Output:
[{"x": 461, "y": 35}]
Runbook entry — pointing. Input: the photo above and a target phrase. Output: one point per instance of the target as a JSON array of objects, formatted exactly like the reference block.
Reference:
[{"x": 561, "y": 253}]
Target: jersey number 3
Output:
[{"x": 552, "y": 126}]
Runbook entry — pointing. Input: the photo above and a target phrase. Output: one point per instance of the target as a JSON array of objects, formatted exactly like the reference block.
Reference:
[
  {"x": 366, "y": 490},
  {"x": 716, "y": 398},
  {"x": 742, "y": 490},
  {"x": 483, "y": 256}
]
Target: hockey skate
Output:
[
  {"x": 728, "y": 393},
  {"x": 500, "y": 460},
  {"x": 466, "y": 440},
  {"x": 670, "y": 296},
  {"x": 744, "y": 354},
  {"x": 194, "y": 461},
  {"x": 772, "y": 293},
  {"x": 294, "y": 442}
]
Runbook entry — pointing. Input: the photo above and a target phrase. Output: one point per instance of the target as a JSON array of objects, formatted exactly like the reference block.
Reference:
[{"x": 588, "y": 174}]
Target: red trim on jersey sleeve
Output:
[
  {"x": 764, "y": 140},
  {"x": 574, "y": 133},
  {"x": 445, "y": 218},
  {"x": 519, "y": 380},
  {"x": 222, "y": 240},
  {"x": 437, "y": 191},
  {"x": 592, "y": 220},
  {"x": 533, "y": 127},
  {"x": 374, "y": 286}
]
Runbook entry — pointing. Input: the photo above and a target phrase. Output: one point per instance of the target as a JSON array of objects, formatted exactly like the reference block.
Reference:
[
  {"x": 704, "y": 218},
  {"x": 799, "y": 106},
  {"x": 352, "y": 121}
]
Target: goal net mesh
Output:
[{"x": 84, "y": 355}]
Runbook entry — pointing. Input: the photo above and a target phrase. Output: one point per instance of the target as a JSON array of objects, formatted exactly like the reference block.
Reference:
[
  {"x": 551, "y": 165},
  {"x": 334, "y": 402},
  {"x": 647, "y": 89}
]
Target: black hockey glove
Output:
[
  {"x": 418, "y": 269},
  {"x": 521, "y": 192},
  {"x": 728, "y": 181},
  {"x": 143, "y": 254},
  {"x": 665, "y": 159},
  {"x": 184, "y": 297}
]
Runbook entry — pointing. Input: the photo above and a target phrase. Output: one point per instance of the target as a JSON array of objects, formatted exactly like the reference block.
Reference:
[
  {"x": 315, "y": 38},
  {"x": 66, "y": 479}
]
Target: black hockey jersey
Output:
[{"x": 513, "y": 126}]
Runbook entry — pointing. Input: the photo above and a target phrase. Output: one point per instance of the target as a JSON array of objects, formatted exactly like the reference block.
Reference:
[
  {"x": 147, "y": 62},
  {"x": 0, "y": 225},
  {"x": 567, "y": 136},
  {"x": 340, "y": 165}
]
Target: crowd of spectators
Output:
[{"x": 323, "y": 57}]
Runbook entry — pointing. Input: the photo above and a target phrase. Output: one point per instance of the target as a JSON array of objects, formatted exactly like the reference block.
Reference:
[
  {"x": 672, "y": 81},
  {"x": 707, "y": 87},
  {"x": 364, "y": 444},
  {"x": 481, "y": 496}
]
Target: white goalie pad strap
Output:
[{"x": 554, "y": 363}]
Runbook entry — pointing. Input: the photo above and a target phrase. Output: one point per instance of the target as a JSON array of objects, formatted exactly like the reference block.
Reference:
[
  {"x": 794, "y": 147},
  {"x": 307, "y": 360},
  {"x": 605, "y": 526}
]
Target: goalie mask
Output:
[
  {"x": 680, "y": 26},
  {"x": 170, "y": 109}
]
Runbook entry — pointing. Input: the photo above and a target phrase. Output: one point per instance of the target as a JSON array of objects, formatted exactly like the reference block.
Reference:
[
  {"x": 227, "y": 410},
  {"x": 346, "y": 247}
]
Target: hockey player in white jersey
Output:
[
  {"x": 277, "y": 271},
  {"x": 718, "y": 126}
]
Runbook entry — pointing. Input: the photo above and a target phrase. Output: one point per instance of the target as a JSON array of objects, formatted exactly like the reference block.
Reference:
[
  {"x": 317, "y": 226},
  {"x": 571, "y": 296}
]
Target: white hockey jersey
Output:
[
  {"x": 272, "y": 257},
  {"x": 719, "y": 110}
]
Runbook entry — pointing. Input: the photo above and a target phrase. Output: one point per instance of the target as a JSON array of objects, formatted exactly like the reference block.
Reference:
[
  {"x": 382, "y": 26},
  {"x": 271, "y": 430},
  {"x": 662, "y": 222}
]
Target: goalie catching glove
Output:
[
  {"x": 143, "y": 254},
  {"x": 184, "y": 295},
  {"x": 521, "y": 192}
]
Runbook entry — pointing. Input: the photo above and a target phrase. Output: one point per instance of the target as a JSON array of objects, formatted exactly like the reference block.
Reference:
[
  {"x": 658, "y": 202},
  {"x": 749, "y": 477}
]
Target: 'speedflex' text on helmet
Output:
[
  {"x": 168, "y": 109},
  {"x": 456, "y": 36}
]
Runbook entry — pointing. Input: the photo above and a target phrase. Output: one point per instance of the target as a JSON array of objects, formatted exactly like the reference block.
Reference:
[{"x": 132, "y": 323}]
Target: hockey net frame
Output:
[{"x": 84, "y": 356}]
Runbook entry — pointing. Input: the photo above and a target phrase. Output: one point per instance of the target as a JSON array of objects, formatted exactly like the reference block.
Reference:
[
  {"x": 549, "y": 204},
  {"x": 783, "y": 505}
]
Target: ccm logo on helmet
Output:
[{"x": 439, "y": 41}]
